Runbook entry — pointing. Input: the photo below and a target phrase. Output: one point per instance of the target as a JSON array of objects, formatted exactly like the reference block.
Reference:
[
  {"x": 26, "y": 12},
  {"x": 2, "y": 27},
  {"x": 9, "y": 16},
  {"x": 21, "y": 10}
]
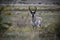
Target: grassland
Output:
[{"x": 25, "y": 30}]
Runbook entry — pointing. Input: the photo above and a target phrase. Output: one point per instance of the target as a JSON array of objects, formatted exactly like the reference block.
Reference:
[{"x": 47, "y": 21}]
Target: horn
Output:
[
  {"x": 35, "y": 8},
  {"x": 30, "y": 8}
]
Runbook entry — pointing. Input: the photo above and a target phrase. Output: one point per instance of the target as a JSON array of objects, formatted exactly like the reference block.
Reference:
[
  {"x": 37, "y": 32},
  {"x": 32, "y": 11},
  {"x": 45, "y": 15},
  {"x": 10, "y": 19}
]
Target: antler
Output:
[
  {"x": 35, "y": 9},
  {"x": 30, "y": 9}
]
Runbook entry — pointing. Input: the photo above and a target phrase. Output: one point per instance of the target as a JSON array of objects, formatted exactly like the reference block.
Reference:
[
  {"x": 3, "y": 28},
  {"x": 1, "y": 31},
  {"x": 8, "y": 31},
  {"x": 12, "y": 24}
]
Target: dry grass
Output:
[{"x": 17, "y": 29}]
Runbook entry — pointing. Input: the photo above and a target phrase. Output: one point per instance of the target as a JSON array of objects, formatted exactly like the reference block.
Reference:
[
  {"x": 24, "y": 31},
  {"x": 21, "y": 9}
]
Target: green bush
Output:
[
  {"x": 57, "y": 30},
  {"x": 2, "y": 25}
]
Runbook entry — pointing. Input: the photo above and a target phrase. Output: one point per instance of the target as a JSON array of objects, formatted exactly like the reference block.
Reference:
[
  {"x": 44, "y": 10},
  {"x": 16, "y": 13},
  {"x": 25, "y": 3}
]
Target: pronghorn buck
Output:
[{"x": 36, "y": 22}]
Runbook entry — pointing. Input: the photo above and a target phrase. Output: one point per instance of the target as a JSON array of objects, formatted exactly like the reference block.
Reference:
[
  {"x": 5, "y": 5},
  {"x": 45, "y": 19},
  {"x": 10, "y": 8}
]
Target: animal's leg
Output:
[
  {"x": 40, "y": 25},
  {"x": 34, "y": 27}
]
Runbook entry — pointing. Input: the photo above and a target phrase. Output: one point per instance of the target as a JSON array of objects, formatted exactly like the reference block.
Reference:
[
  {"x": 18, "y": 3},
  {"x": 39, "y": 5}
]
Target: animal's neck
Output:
[{"x": 33, "y": 18}]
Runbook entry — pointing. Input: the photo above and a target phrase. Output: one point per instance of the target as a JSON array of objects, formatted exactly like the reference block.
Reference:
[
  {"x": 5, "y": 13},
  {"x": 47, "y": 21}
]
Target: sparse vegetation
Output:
[
  {"x": 2, "y": 24},
  {"x": 26, "y": 32}
]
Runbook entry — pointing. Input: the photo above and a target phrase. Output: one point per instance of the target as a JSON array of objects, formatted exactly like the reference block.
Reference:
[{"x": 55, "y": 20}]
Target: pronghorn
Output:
[
  {"x": 33, "y": 16},
  {"x": 36, "y": 22}
]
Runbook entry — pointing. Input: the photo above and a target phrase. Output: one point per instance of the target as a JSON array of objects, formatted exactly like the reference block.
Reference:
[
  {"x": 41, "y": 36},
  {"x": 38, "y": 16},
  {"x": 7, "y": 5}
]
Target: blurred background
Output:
[{"x": 16, "y": 20}]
